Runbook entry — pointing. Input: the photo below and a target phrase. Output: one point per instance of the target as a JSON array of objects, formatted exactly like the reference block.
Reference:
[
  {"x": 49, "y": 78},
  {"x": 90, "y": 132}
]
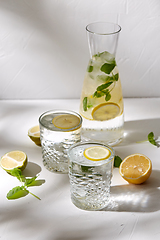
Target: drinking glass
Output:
[
  {"x": 89, "y": 180},
  {"x": 59, "y": 129}
]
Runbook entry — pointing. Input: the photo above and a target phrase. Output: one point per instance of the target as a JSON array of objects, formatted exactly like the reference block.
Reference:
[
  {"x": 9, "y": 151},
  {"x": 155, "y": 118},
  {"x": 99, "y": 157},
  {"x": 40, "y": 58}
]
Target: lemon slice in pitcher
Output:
[
  {"x": 105, "y": 111},
  {"x": 97, "y": 153},
  {"x": 66, "y": 121}
]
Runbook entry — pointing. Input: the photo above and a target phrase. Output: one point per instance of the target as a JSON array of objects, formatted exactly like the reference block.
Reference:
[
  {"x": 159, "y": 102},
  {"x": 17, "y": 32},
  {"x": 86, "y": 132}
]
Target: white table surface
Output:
[{"x": 135, "y": 210}]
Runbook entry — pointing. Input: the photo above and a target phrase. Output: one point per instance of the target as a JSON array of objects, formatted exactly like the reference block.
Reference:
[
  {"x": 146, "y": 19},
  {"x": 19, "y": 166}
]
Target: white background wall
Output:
[{"x": 44, "y": 51}]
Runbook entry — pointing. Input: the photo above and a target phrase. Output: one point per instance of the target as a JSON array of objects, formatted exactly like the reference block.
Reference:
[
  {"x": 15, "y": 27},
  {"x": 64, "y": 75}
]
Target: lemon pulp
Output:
[
  {"x": 97, "y": 153},
  {"x": 34, "y": 134},
  {"x": 66, "y": 121},
  {"x": 14, "y": 159},
  {"x": 136, "y": 168},
  {"x": 105, "y": 111}
]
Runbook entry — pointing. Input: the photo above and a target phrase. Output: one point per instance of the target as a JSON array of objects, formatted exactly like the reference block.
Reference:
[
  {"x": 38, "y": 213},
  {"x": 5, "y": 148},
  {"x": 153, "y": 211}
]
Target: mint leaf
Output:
[
  {"x": 85, "y": 104},
  {"x": 107, "y": 68},
  {"x": 86, "y": 169},
  {"x": 151, "y": 139},
  {"x": 104, "y": 86},
  {"x": 90, "y": 68},
  {"x": 16, "y": 172},
  {"x": 108, "y": 96},
  {"x": 30, "y": 181},
  {"x": 17, "y": 192},
  {"x": 98, "y": 94},
  {"x": 115, "y": 77},
  {"x": 117, "y": 161}
]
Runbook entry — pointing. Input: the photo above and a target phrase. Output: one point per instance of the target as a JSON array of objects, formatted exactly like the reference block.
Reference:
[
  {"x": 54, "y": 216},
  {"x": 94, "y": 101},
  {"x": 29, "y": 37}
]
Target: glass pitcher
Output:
[{"x": 101, "y": 104}]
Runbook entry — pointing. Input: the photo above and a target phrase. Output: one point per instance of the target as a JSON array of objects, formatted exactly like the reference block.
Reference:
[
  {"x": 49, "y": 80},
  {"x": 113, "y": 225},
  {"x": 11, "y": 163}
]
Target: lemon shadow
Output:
[
  {"x": 136, "y": 198},
  {"x": 32, "y": 170}
]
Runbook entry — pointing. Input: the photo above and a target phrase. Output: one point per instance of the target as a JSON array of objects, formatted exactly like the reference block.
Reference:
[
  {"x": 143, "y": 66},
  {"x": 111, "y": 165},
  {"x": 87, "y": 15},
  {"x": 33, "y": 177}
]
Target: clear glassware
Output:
[
  {"x": 57, "y": 134},
  {"x": 89, "y": 180},
  {"x": 101, "y": 104}
]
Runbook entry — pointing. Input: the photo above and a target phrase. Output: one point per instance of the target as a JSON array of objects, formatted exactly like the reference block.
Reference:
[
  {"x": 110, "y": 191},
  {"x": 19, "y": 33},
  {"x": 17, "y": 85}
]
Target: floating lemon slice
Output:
[
  {"x": 105, "y": 111},
  {"x": 14, "y": 159},
  {"x": 97, "y": 153},
  {"x": 136, "y": 168},
  {"x": 66, "y": 121},
  {"x": 34, "y": 134}
]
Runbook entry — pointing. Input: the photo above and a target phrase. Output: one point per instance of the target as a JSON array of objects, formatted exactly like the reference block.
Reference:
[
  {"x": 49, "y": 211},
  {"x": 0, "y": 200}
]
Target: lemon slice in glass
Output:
[
  {"x": 14, "y": 159},
  {"x": 105, "y": 111},
  {"x": 66, "y": 121},
  {"x": 34, "y": 134},
  {"x": 97, "y": 153}
]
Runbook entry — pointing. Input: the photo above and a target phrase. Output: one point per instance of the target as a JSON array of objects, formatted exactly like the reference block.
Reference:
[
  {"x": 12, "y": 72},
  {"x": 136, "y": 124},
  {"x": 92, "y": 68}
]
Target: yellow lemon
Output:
[
  {"x": 14, "y": 159},
  {"x": 97, "y": 153},
  {"x": 34, "y": 134},
  {"x": 66, "y": 121},
  {"x": 105, "y": 111},
  {"x": 136, "y": 168}
]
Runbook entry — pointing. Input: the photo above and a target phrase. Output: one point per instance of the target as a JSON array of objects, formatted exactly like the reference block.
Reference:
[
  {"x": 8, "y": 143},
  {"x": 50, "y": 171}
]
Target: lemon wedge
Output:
[
  {"x": 66, "y": 121},
  {"x": 34, "y": 134},
  {"x": 14, "y": 159},
  {"x": 136, "y": 168},
  {"x": 97, "y": 153},
  {"x": 105, "y": 111}
]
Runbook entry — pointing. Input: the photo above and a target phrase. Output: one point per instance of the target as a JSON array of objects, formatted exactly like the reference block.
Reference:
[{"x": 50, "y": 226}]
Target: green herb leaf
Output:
[
  {"x": 16, "y": 172},
  {"x": 30, "y": 181},
  {"x": 117, "y": 161},
  {"x": 108, "y": 96},
  {"x": 104, "y": 86},
  {"x": 17, "y": 192},
  {"x": 151, "y": 139},
  {"x": 85, "y": 104},
  {"x": 98, "y": 94},
  {"x": 86, "y": 169},
  {"x": 90, "y": 68},
  {"x": 107, "y": 68},
  {"x": 115, "y": 77}
]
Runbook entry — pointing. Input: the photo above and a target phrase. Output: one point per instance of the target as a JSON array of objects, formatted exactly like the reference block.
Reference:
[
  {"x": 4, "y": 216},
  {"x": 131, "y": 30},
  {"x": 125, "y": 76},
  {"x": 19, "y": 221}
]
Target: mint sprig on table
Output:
[
  {"x": 21, "y": 191},
  {"x": 152, "y": 139}
]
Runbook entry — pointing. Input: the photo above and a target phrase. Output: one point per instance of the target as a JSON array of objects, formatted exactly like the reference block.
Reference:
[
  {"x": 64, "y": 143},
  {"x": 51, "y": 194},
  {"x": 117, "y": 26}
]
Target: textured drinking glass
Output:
[
  {"x": 89, "y": 180},
  {"x": 59, "y": 129},
  {"x": 101, "y": 102}
]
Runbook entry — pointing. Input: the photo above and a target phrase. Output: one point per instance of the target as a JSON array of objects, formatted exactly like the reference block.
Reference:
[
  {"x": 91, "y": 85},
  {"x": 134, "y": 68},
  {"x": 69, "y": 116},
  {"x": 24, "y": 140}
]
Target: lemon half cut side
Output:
[
  {"x": 34, "y": 134},
  {"x": 14, "y": 159},
  {"x": 136, "y": 168},
  {"x": 97, "y": 153},
  {"x": 105, "y": 111},
  {"x": 66, "y": 121}
]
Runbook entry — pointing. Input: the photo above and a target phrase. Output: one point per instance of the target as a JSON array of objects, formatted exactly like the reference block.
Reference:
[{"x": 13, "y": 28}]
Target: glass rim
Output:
[
  {"x": 61, "y": 111},
  {"x": 107, "y": 33},
  {"x": 108, "y": 160}
]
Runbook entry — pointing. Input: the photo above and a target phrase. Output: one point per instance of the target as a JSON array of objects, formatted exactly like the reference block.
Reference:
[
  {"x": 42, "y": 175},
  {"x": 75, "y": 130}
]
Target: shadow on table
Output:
[
  {"x": 138, "y": 130},
  {"x": 136, "y": 198},
  {"x": 32, "y": 169}
]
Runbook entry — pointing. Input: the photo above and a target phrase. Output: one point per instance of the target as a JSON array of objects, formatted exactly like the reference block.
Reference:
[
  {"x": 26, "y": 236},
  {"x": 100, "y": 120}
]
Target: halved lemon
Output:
[
  {"x": 34, "y": 134},
  {"x": 14, "y": 159},
  {"x": 105, "y": 111},
  {"x": 136, "y": 168},
  {"x": 66, "y": 121},
  {"x": 97, "y": 153}
]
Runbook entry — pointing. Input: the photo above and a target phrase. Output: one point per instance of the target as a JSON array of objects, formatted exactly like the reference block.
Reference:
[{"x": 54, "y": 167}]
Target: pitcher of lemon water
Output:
[{"x": 101, "y": 104}]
